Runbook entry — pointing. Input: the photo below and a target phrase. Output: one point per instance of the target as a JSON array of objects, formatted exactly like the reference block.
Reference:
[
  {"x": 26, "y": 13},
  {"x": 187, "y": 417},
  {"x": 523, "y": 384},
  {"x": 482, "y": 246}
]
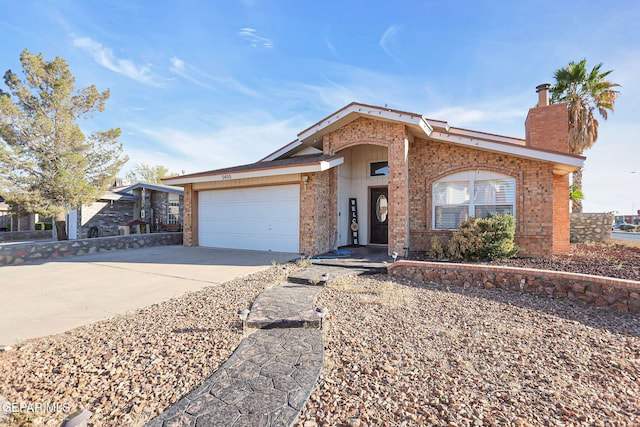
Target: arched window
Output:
[{"x": 462, "y": 195}]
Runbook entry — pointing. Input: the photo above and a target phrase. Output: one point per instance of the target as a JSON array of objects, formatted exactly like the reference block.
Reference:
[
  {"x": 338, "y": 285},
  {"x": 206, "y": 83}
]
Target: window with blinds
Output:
[
  {"x": 484, "y": 193},
  {"x": 173, "y": 209}
]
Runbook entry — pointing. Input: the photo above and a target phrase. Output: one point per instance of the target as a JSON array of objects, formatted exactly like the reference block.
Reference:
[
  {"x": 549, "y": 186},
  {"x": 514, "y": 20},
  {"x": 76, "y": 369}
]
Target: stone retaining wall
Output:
[
  {"x": 12, "y": 236},
  {"x": 590, "y": 227},
  {"x": 30, "y": 252},
  {"x": 623, "y": 295}
]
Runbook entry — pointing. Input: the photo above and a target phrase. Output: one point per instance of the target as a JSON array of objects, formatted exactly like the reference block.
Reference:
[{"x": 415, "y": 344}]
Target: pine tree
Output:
[{"x": 47, "y": 164}]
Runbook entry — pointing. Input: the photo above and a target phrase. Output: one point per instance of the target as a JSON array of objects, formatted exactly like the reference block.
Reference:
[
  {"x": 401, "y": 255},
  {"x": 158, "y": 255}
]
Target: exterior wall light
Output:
[
  {"x": 322, "y": 312},
  {"x": 305, "y": 180},
  {"x": 243, "y": 314}
]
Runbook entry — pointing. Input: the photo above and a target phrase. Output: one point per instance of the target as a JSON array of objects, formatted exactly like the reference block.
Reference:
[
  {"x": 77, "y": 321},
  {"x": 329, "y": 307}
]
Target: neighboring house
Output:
[
  {"x": 158, "y": 205},
  {"x": 388, "y": 177},
  {"x": 102, "y": 217},
  {"x": 5, "y": 215},
  {"x": 12, "y": 222}
]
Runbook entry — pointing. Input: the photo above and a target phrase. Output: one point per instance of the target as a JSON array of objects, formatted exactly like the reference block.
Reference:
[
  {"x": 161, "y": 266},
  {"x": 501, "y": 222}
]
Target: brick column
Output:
[
  {"x": 561, "y": 217},
  {"x": 398, "y": 194},
  {"x": 318, "y": 212},
  {"x": 190, "y": 224}
]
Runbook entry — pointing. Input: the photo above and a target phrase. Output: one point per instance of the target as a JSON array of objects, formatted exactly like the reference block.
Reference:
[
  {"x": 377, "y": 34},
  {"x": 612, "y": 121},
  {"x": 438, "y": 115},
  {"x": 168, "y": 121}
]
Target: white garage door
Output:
[{"x": 262, "y": 218}]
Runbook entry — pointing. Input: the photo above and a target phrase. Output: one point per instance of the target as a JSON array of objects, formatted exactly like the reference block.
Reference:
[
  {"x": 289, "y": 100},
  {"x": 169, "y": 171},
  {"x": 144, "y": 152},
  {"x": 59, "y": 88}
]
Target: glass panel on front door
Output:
[{"x": 379, "y": 215}]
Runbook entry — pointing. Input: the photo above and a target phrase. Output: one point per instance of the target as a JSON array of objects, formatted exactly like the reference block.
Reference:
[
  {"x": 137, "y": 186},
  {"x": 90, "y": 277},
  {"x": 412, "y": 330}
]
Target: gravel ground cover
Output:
[
  {"x": 398, "y": 353},
  {"x": 128, "y": 369},
  {"x": 420, "y": 354}
]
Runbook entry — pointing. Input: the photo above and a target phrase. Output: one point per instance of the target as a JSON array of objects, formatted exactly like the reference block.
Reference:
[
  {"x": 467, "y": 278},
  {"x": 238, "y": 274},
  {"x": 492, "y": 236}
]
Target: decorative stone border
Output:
[
  {"x": 623, "y": 295},
  {"x": 12, "y": 236},
  {"x": 31, "y": 252}
]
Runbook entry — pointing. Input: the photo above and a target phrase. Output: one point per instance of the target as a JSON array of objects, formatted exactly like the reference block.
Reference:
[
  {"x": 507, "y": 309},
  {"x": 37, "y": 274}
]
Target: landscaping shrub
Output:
[
  {"x": 490, "y": 238},
  {"x": 465, "y": 243},
  {"x": 43, "y": 226},
  {"x": 436, "y": 248},
  {"x": 497, "y": 233}
]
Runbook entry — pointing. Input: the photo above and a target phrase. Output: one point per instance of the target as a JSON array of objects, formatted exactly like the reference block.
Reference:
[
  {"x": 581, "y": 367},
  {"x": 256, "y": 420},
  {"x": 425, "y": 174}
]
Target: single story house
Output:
[
  {"x": 158, "y": 205},
  {"x": 372, "y": 175},
  {"x": 10, "y": 221}
]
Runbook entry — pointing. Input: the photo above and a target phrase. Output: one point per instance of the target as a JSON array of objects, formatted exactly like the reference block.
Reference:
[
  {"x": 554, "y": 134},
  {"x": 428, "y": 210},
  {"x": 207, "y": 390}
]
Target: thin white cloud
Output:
[
  {"x": 179, "y": 67},
  {"x": 387, "y": 39},
  {"x": 464, "y": 116},
  {"x": 194, "y": 151},
  {"x": 254, "y": 39},
  {"x": 105, "y": 57},
  {"x": 201, "y": 78},
  {"x": 330, "y": 46}
]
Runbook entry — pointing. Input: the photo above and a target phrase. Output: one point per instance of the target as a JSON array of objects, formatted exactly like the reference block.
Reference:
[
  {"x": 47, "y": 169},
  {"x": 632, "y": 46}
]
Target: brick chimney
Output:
[{"x": 547, "y": 126}]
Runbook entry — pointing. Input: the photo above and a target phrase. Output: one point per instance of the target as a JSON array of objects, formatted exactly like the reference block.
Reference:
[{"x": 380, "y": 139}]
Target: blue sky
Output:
[{"x": 200, "y": 85}]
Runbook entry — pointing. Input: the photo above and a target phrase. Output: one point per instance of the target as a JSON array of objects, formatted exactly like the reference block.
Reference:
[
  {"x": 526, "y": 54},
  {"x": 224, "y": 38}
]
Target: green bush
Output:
[
  {"x": 497, "y": 233},
  {"x": 43, "y": 225},
  {"x": 490, "y": 238}
]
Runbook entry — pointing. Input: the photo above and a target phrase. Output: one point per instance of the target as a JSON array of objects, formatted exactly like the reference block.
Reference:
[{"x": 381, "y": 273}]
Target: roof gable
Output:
[
  {"x": 425, "y": 128},
  {"x": 155, "y": 187}
]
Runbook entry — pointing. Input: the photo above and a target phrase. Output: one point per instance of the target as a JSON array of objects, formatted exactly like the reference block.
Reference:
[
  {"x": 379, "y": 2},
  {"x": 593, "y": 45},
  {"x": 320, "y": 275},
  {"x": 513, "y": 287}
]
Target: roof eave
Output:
[
  {"x": 318, "y": 166},
  {"x": 563, "y": 163}
]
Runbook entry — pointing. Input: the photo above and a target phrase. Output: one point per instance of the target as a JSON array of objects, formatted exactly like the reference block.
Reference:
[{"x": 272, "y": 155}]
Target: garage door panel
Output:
[{"x": 264, "y": 218}]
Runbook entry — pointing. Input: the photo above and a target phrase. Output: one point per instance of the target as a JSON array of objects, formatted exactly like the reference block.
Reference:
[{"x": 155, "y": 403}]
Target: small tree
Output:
[
  {"x": 149, "y": 174},
  {"x": 47, "y": 163}
]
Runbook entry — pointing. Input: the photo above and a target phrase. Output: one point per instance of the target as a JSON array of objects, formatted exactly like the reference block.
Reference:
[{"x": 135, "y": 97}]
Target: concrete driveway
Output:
[{"x": 55, "y": 296}]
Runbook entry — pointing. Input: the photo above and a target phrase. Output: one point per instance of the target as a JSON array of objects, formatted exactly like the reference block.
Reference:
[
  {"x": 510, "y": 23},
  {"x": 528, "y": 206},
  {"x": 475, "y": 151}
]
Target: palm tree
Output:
[{"x": 584, "y": 92}]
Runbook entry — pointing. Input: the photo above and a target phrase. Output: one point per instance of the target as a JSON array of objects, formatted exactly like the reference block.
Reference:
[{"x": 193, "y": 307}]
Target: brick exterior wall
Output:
[
  {"x": 190, "y": 213},
  {"x": 318, "y": 219},
  {"x": 542, "y": 214},
  {"x": 393, "y": 136},
  {"x": 430, "y": 161},
  {"x": 547, "y": 128}
]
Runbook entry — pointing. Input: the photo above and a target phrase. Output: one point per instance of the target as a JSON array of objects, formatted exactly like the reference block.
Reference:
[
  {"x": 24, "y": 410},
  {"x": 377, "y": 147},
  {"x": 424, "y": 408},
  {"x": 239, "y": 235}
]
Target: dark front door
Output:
[{"x": 379, "y": 222}]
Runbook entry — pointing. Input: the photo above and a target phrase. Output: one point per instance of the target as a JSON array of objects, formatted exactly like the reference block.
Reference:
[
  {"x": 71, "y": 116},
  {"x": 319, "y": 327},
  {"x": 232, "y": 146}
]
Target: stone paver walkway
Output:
[
  {"x": 266, "y": 382},
  {"x": 270, "y": 376}
]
